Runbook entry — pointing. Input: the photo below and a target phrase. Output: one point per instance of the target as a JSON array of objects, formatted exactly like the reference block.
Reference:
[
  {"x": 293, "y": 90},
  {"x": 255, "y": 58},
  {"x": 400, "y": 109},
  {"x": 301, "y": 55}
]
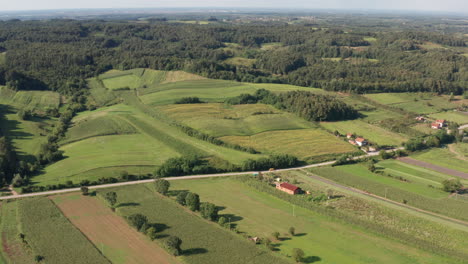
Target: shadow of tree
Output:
[
  {"x": 300, "y": 234},
  {"x": 127, "y": 204},
  {"x": 311, "y": 259},
  {"x": 194, "y": 251}
]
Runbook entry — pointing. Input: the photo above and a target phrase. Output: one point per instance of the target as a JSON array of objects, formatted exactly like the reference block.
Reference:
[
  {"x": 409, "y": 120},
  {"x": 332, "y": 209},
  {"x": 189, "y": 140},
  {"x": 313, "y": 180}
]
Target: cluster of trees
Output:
[
  {"x": 61, "y": 54},
  {"x": 184, "y": 166},
  {"x": 310, "y": 106},
  {"x": 189, "y": 100},
  {"x": 435, "y": 140},
  {"x": 274, "y": 161}
]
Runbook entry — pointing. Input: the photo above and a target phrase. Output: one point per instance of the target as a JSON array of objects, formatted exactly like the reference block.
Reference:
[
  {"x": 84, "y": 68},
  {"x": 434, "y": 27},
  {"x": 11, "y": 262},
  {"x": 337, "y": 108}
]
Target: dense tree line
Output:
[
  {"x": 310, "y": 106},
  {"x": 60, "y": 54}
]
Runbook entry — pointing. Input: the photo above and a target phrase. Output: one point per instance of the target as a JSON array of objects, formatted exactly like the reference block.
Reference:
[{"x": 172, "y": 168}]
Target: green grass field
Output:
[
  {"x": 421, "y": 103},
  {"x": 371, "y": 132},
  {"x": 209, "y": 90},
  {"x": 32, "y": 100},
  {"x": 51, "y": 235},
  {"x": 202, "y": 242},
  {"x": 109, "y": 140},
  {"x": 416, "y": 190},
  {"x": 12, "y": 248},
  {"x": 239, "y": 61},
  {"x": 323, "y": 239},
  {"x": 305, "y": 144},
  {"x": 239, "y": 120},
  {"x": 444, "y": 158},
  {"x": 457, "y": 117}
]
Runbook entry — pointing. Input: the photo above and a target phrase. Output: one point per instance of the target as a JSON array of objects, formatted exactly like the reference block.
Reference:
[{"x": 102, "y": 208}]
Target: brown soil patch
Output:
[
  {"x": 434, "y": 167},
  {"x": 103, "y": 227}
]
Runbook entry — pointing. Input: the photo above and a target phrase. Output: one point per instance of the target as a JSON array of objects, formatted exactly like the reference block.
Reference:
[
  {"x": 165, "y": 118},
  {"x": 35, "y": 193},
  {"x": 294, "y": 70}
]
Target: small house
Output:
[
  {"x": 441, "y": 122},
  {"x": 361, "y": 141},
  {"x": 421, "y": 118},
  {"x": 349, "y": 135},
  {"x": 436, "y": 125},
  {"x": 288, "y": 188},
  {"x": 352, "y": 142}
]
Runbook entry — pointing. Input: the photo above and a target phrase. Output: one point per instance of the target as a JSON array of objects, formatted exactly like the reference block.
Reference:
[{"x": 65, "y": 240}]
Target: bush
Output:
[
  {"x": 137, "y": 220},
  {"x": 84, "y": 190},
  {"x": 162, "y": 186},
  {"x": 192, "y": 200},
  {"x": 452, "y": 185},
  {"x": 173, "y": 244},
  {"x": 151, "y": 233},
  {"x": 298, "y": 254},
  {"x": 209, "y": 211},
  {"x": 189, "y": 100},
  {"x": 292, "y": 231},
  {"x": 181, "y": 198}
]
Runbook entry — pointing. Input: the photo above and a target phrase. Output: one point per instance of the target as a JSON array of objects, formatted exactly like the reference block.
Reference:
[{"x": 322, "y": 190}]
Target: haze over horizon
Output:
[{"x": 458, "y": 6}]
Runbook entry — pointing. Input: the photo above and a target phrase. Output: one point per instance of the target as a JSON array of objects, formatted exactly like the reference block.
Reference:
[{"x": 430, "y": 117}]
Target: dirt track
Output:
[{"x": 434, "y": 167}]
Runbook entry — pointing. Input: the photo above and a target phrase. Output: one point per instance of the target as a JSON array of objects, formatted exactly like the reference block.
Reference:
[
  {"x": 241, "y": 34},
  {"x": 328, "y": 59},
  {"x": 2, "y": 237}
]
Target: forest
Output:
[{"x": 60, "y": 54}]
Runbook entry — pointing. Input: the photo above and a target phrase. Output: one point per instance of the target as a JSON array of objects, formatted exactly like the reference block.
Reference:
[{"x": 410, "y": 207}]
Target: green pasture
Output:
[
  {"x": 112, "y": 139},
  {"x": 370, "y": 39},
  {"x": 442, "y": 157},
  {"x": 305, "y": 144},
  {"x": 27, "y": 135},
  {"x": 238, "y": 120},
  {"x": 416, "y": 192},
  {"x": 209, "y": 90},
  {"x": 9, "y": 229},
  {"x": 421, "y": 103},
  {"x": 457, "y": 117},
  {"x": 461, "y": 149},
  {"x": 29, "y": 100},
  {"x": 271, "y": 46},
  {"x": 371, "y": 132},
  {"x": 323, "y": 239},
  {"x": 202, "y": 241},
  {"x": 52, "y": 236}
]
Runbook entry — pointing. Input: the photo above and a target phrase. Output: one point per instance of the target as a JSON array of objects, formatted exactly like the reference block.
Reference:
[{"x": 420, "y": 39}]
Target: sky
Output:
[{"x": 460, "y": 6}]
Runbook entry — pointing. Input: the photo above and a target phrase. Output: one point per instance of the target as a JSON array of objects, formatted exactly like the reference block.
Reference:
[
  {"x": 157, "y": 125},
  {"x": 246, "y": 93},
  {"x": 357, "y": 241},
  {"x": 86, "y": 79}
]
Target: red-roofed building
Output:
[
  {"x": 361, "y": 141},
  {"x": 288, "y": 188},
  {"x": 436, "y": 125}
]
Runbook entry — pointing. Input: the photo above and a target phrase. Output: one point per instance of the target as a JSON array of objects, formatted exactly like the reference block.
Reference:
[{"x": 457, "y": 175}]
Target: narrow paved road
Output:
[
  {"x": 176, "y": 178},
  {"x": 340, "y": 186}
]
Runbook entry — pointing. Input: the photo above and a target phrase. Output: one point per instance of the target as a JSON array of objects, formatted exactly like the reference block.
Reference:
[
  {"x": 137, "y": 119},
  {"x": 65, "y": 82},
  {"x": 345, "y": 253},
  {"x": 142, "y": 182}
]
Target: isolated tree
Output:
[
  {"x": 222, "y": 221},
  {"x": 151, "y": 233},
  {"x": 276, "y": 235},
  {"x": 267, "y": 243},
  {"x": 192, "y": 200},
  {"x": 292, "y": 231},
  {"x": 209, "y": 211},
  {"x": 181, "y": 198},
  {"x": 137, "y": 220},
  {"x": 329, "y": 193},
  {"x": 84, "y": 190},
  {"x": 111, "y": 198},
  {"x": 38, "y": 258},
  {"x": 298, "y": 254},
  {"x": 452, "y": 185},
  {"x": 162, "y": 186},
  {"x": 173, "y": 244}
]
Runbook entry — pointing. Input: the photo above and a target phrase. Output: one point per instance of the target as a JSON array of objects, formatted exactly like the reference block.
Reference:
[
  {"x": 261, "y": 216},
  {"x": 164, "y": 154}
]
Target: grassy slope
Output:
[
  {"x": 333, "y": 242},
  {"x": 416, "y": 193},
  {"x": 371, "y": 132},
  {"x": 457, "y": 117},
  {"x": 27, "y": 135},
  {"x": 52, "y": 236},
  {"x": 208, "y": 90},
  {"x": 202, "y": 242},
  {"x": 422, "y": 103},
  {"x": 239, "y": 120},
  {"x": 303, "y": 143},
  {"x": 442, "y": 157}
]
